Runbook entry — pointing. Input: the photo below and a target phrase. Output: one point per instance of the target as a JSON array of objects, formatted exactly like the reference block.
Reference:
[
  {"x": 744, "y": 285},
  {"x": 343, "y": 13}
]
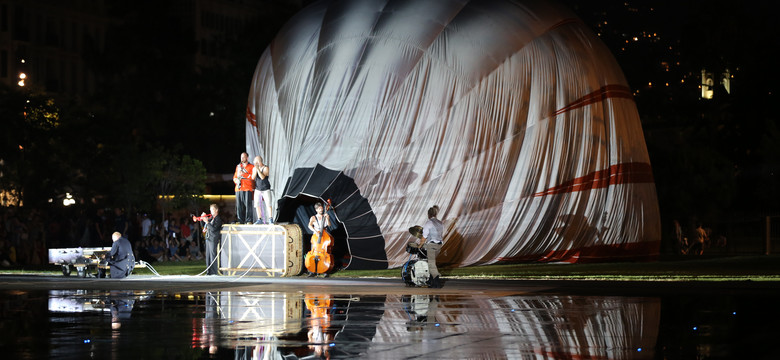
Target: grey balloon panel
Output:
[{"x": 511, "y": 116}]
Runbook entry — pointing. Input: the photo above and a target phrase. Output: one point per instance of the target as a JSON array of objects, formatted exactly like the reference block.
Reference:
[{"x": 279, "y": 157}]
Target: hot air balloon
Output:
[{"x": 511, "y": 116}]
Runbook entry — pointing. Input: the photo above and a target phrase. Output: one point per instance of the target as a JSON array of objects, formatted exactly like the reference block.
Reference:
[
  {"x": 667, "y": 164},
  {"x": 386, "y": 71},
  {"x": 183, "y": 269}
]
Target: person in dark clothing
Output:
[
  {"x": 262, "y": 192},
  {"x": 120, "y": 258},
  {"x": 121, "y": 224},
  {"x": 212, "y": 226}
]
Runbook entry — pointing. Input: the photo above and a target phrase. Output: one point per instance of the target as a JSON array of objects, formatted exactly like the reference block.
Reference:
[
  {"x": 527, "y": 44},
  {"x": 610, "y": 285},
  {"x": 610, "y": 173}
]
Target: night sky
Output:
[
  {"x": 686, "y": 36},
  {"x": 150, "y": 94}
]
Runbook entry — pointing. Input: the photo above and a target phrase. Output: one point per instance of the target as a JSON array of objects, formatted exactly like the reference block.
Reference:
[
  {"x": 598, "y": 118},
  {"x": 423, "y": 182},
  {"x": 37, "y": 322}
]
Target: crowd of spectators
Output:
[{"x": 27, "y": 234}]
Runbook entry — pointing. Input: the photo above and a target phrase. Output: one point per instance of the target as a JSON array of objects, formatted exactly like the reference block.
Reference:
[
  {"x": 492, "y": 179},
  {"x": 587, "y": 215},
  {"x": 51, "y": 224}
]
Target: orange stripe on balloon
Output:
[
  {"x": 623, "y": 173},
  {"x": 251, "y": 117},
  {"x": 603, "y": 93}
]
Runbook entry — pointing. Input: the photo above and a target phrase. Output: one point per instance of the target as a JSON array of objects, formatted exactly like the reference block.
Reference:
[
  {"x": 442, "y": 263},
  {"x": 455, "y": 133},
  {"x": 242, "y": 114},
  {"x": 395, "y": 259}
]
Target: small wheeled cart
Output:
[{"x": 415, "y": 270}]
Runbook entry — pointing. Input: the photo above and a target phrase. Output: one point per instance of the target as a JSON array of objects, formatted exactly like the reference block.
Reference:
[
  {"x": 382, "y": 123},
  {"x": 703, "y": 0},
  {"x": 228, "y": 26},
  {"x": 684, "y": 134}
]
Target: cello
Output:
[{"x": 318, "y": 259}]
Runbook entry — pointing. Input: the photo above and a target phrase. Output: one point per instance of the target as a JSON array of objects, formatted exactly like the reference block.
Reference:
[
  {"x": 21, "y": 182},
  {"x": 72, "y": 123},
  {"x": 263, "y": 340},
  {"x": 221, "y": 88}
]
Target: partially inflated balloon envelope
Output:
[{"x": 511, "y": 116}]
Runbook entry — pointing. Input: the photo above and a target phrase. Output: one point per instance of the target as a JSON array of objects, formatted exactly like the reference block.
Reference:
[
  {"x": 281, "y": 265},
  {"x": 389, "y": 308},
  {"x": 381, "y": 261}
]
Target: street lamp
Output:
[{"x": 22, "y": 76}]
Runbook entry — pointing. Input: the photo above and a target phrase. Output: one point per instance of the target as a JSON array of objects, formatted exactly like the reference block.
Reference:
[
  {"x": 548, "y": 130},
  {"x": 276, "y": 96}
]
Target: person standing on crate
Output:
[
  {"x": 212, "y": 225},
  {"x": 262, "y": 192},
  {"x": 432, "y": 235},
  {"x": 245, "y": 190},
  {"x": 120, "y": 258}
]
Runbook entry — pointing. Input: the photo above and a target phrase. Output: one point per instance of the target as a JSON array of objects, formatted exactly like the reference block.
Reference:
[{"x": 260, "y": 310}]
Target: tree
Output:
[
  {"x": 179, "y": 181},
  {"x": 32, "y": 136}
]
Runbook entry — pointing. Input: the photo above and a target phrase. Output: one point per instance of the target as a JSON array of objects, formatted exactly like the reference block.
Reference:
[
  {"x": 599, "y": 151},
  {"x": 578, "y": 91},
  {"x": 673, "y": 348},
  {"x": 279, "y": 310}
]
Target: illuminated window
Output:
[{"x": 707, "y": 89}]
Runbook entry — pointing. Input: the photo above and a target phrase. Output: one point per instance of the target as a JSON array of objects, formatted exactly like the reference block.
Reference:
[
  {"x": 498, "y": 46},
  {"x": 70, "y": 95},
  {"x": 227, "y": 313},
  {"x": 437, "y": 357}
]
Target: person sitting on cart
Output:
[{"x": 120, "y": 258}]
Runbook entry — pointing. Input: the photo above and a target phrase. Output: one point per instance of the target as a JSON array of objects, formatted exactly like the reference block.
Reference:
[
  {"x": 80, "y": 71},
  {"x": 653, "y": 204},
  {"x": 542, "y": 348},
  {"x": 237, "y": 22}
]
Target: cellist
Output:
[
  {"x": 318, "y": 224},
  {"x": 319, "y": 221}
]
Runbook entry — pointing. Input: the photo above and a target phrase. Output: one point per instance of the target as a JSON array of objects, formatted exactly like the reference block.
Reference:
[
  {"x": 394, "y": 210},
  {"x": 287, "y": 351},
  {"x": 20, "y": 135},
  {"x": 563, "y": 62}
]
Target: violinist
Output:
[
  {"x": 245, "y": 189},
  {"x": 212, "y": 226}
]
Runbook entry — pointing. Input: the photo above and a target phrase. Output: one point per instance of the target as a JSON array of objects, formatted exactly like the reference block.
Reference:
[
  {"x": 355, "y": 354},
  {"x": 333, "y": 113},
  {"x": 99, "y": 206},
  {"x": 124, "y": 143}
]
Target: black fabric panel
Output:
[
  {"x": 366, "y": 243},
  {"x": 297, "y": 182}
]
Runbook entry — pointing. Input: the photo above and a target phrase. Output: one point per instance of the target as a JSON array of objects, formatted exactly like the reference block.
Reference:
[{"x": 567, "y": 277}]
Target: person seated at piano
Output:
[{"x": 120, "y": 258}]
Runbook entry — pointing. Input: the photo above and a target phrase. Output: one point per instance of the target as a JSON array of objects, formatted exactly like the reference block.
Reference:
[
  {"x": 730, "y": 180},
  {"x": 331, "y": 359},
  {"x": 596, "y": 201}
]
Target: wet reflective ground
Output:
[{"x": 346, "y": 322}]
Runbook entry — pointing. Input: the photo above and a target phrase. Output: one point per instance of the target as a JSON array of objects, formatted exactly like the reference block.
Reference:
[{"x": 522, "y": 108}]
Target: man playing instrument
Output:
[
  {"x": 120, "y": 258},
  {"x": 245, "y": 189},
  {"x": 319, "y": 221},
  {"x": 212, "y": 226},
  {"x": 318, "y": 224}
]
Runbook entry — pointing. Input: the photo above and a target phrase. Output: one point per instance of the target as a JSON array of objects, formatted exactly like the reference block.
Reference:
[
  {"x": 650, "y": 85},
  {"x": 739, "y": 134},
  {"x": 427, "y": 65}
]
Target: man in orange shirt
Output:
[{"x": 245, "y": 189}]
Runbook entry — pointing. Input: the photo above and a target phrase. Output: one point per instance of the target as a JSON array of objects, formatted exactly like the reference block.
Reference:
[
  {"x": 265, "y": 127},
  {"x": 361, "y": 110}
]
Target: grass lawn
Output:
[{"x": 754, "y": 268}]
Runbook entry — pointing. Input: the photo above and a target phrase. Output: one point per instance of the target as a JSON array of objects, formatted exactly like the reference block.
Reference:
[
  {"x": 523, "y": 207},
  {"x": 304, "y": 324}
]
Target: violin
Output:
[
  {"x": 319, "y": 259},
  {"x": 205, "y": 217},
  {"x": 245, "y": 175}
]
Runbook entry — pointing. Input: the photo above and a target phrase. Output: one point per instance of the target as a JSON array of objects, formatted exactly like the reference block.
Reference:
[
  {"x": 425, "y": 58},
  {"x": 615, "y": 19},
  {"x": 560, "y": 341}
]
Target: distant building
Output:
[
  {"x": 213, "y": 23},
  {"x": 709, "y": 83},
  {"x": 46, "y": 44}
]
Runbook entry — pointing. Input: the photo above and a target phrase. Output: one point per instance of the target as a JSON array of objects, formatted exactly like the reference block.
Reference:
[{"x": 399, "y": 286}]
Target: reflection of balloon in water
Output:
[{"x": 511, "y": 116}]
